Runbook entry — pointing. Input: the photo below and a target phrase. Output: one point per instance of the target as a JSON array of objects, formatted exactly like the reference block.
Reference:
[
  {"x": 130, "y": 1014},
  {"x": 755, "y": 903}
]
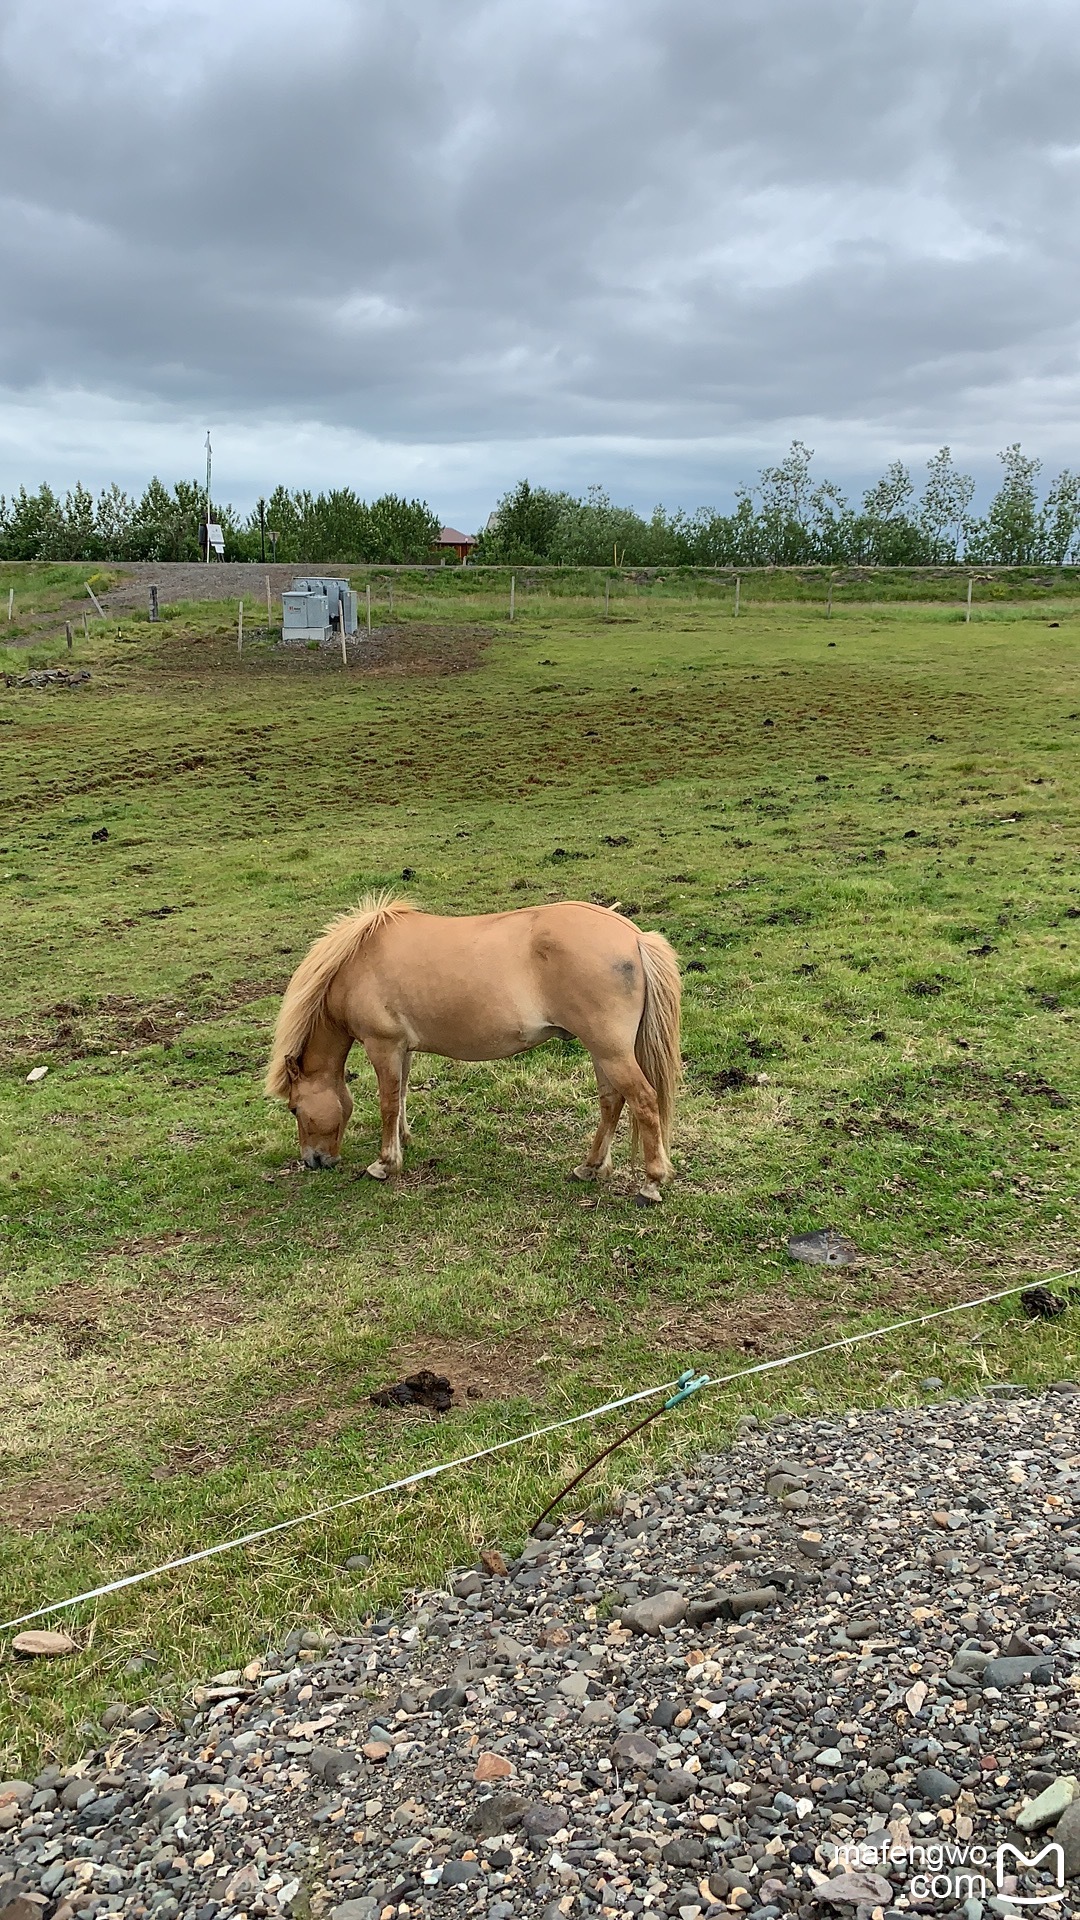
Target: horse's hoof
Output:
[
  {"x": 377, "y": 1171},
  {"x": 649, "y": 1196},
  {"x": 584, "y": 1173}
]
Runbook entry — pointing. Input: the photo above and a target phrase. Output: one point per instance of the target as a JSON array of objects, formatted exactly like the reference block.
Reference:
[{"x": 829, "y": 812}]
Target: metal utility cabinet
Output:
[{"x": 317, "y": 609}]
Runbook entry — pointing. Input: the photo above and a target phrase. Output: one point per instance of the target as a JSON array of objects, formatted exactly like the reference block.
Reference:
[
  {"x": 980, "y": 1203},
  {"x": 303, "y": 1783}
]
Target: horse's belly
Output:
[{"x": 481, "y": 1040}]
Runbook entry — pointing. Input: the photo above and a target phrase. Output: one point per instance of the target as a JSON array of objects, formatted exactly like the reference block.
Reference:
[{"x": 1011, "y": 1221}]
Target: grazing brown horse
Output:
[{"x": 480, "y": 987}]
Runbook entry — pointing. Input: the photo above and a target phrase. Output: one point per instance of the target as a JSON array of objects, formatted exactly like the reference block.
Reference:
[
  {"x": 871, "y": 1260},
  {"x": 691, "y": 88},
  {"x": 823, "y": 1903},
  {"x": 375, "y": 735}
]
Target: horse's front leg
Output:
[{"x": 389, "y": 1059}]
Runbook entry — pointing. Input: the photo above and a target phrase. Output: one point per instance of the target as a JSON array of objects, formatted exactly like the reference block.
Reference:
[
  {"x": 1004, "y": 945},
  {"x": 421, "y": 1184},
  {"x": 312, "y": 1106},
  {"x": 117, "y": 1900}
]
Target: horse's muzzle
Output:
[{"x": 315, "y": 1158}]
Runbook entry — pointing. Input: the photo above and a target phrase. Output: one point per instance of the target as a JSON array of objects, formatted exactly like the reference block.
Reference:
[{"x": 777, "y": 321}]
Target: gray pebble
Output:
[
  {"x": 935, "y": 1786},
  {"x": 658, "y": 1611},
  {"x": 1013, "y": 1671}
]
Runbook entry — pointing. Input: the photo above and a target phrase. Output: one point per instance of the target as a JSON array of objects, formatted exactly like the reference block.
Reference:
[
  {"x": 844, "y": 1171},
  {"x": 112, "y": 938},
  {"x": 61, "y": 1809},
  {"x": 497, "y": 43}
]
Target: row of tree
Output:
[
  {"x": 790, "y": 518},
  {"x": 302, "y": 528}
]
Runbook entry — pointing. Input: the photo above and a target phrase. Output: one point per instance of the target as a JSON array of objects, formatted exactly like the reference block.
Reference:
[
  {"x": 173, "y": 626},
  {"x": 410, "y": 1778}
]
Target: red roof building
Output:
[{"x": 461, "y": 544}]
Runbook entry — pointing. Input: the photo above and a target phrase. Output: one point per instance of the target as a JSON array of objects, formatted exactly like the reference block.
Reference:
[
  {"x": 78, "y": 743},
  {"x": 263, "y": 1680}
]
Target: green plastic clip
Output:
[{"x": 689, "y": 1382}]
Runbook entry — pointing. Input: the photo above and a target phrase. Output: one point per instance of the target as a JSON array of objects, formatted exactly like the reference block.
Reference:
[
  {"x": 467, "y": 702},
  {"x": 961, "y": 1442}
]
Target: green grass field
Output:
[{"x": 858, "y": 833}]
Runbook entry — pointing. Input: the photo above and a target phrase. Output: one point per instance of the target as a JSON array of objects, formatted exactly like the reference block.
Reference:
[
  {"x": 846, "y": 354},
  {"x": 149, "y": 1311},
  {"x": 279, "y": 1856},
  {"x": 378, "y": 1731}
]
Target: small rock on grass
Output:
[
  {"x": 42, "y": 1645},
  {"x": 823, "y": 1248}
]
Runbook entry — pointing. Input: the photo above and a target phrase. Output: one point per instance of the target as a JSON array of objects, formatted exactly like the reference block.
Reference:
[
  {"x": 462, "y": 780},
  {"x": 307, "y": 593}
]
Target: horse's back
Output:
[{"x": 570, "y": 925}]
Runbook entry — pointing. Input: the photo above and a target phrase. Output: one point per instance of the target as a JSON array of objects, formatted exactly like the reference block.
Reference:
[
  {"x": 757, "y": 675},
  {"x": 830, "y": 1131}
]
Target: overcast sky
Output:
[{"x": 434, "y": 245}]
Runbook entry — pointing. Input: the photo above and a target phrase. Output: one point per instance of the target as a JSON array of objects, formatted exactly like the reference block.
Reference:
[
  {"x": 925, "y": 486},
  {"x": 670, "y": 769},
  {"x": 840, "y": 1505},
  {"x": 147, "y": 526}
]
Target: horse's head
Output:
[{"x": 321, "y": 1105}]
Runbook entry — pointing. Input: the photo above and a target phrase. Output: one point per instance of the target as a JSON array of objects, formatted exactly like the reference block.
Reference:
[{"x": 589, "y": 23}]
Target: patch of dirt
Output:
[
  {"x": 415, "y": 648},
  {"x": 177, "y": 1307},
  {"x": 938, "y": 1280},
  {"x": 120, "y": 1022},
  {"x": 150, "y": 1243},
  {"x": 47, "y": 1499},
  {"x": 71, "y": 1315},
  {"x": 189, "y": 1308},
  {"x": 776, "y": 1321},
  {"x": 767, "y": 1326},
  {"x": 476, "y": 1369},
  {"x": 191, "y": 1461}
]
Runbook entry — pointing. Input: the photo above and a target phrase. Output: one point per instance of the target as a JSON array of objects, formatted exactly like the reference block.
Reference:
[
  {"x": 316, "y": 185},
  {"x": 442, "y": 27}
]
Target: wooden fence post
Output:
[
  {"x": 738, "y": 587},
  {"x": 607, "y": 599},
  {"x": 369, "y": 609},
  {"x": 10, "y": 602},
  {"x": 269, "y": 608},
  {"x": 239, "y": 626},
  {"x": 85, "y": 626},
  {"x": 153, "y": 603},
  {"x": 390, "y": 591},
  {"x": 828, "y": 607},
  {"x": 512, "y": 585},
  {"x": 967, "y": 610},
  {"x": 70, "y": 637},
  {"x": 96, "y": 601}
]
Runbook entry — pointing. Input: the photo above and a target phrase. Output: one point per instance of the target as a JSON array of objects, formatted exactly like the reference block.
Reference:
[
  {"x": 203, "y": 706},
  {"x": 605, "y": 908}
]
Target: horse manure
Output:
[
  {"x": 731, "y": 1080},
  {"x": 423, "y": 1389},
  {"x": 1040, "y": 1304},
  {"x": 825, "y": 1248}
]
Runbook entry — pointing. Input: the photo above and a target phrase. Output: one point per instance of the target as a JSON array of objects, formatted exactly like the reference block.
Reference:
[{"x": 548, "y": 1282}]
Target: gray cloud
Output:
[{"x": 422, "y": 243}]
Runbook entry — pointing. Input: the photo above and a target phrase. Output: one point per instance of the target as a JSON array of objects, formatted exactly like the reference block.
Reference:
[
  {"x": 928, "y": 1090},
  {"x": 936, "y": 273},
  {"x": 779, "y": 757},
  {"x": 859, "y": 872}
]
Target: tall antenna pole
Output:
[{"x": 208, "y": 496}]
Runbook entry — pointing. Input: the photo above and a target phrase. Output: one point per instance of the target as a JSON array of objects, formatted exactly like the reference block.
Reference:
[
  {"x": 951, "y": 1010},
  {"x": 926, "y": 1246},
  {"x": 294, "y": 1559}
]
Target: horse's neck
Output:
[{"x": 327, "y": 1050}]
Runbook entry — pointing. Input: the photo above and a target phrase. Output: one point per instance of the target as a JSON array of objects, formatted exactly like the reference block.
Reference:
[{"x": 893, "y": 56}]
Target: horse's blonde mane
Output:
[{"x": 305, "y": 995}]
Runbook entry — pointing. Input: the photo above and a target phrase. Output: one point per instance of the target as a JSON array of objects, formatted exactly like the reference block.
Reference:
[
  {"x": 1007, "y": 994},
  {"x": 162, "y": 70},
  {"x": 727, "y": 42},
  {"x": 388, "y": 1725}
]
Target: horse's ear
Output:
[{"x": 292, "y": 1070}]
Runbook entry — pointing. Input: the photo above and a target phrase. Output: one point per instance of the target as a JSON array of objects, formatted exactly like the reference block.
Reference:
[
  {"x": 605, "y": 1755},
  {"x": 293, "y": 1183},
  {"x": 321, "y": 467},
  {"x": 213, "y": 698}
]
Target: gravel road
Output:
[
  {"x": 788, "y": 1681},
  {"x": 188, "y": 580}
]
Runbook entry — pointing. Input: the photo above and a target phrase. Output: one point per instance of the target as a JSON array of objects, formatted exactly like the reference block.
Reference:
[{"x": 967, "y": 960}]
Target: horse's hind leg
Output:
[
  {"x": 597, "y": 1162},
  {"x": 389, "y": 1059},
  {"x": 404, "y": 1134},
  {"x": 625, "y": 1075}
]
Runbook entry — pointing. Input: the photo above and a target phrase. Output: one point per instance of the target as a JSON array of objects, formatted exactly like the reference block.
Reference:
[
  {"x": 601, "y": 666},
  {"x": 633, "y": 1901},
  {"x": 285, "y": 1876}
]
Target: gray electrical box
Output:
[{"x": 317, "y": 609}]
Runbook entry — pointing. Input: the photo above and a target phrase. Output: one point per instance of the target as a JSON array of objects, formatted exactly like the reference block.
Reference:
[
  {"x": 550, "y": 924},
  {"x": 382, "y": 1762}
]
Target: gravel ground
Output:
[
  {"x": 855, "y": 1634},
  {"x": 178, "y": 580}
]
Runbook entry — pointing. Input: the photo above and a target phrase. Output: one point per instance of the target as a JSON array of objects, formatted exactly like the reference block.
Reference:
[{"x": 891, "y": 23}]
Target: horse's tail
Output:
[
  {"x": 657, "y": 1046},
  {"x": 305, "y": 995}
]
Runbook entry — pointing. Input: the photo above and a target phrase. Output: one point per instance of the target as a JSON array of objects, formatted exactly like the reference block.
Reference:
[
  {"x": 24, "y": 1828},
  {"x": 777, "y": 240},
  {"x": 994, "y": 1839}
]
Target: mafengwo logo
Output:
[{"x": 950, "y": 1871}]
